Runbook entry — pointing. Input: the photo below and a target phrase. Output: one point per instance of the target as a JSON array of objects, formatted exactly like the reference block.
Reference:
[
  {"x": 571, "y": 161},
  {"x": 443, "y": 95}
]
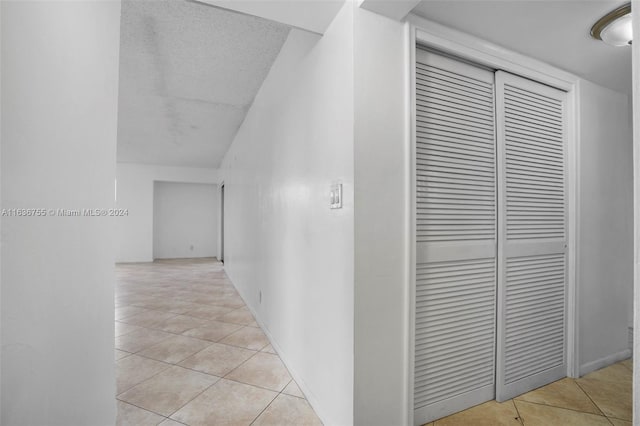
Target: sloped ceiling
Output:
[
  {"x": 188, "y": 74},
  {"x": 554, "y": 31}
]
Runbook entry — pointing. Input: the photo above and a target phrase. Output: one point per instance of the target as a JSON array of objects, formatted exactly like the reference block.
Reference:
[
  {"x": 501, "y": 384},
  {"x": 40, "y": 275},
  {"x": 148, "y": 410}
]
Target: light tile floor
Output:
[
  {"x": 189, "y": 352},
  {"x": 599, "y": 398}
]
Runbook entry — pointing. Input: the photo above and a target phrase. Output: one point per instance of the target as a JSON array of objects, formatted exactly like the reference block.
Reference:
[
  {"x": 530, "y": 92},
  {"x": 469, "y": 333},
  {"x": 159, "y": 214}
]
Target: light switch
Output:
[{"x": 336, "y": 196}]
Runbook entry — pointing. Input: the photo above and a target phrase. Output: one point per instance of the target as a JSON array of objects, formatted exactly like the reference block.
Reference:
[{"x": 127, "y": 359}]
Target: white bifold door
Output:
[{"x": 490, "y": 302}]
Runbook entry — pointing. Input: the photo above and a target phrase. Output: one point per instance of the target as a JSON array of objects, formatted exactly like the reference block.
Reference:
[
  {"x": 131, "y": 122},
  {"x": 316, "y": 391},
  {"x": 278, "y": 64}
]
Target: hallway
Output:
[{"x": 189, "y": 352}]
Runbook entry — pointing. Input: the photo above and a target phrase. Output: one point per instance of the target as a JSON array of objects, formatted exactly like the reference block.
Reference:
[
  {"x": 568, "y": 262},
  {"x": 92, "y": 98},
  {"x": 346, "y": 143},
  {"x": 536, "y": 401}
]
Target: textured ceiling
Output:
[
  {"x": 554, "y": 31},
  {"x": 188, "y": 75}
]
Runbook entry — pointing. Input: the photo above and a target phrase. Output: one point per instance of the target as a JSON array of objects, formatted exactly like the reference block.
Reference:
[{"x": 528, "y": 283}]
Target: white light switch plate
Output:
[{"x": 336, "y": 196}]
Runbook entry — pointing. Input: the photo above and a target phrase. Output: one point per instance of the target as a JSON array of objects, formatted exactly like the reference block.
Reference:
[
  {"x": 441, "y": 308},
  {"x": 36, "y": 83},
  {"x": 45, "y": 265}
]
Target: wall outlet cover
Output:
[{"x": 336, "y": 196}]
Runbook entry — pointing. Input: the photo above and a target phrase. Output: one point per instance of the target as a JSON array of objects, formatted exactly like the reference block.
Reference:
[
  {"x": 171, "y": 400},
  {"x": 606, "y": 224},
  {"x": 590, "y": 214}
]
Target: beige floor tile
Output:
[
  {"x": 168, "y": 391},
  {"x": 616, "y": 373},
  {"x": 134, "y": 369},
  {"x": 545, "y": 415},
  {"x": 128, "y": 311},
  {"x": 122, "y": 328},
  {"x": 225, "y": 403},
  {"x": 288, "y": 410},
  {"x": 613, "y": 399},
  {"x": 169, "y": 422},
  {"x": 185, "y": 298},
  {"x": 208, "y": 312},
  {"x": 174, "y": 349},
  {"x": 628, "y": 363},
  {"x": 120, "y": 354},
  {"x": 269, "y": 348},
  {"x": 564, "y": 393},
  {"x": 213, "y": 331},
  {"x": 149, "y": 319},
  {"x": 140, "y": 339},
  {"x": 217, "y": 359},
  {"x": 490, "y": 413},
  {"x": 128, "y": 415},
  {"x": 618, "y": 422},
  {"x": 293, "y": 389},
  {"x": 247, "y": 337},
  {"x": 264, "y": 370},
  {"x": 230, "y": 301},
  {"x": 240, "y": 316},
  {"x": 168, "y": 305},
  {"x": 181, "y": 323}
]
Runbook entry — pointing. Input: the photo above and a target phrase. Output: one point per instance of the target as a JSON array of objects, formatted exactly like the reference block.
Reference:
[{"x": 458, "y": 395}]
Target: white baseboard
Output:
[{"x": 604, "y": 362}]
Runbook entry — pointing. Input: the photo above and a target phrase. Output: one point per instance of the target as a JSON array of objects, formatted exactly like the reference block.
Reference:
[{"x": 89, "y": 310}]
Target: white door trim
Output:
[{"x": 436, "y": 36}]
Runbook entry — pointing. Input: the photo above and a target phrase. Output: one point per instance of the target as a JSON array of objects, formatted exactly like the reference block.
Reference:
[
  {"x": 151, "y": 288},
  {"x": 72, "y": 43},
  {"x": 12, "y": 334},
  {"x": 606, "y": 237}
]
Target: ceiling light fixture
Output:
[{"x": 614, "y": 28}]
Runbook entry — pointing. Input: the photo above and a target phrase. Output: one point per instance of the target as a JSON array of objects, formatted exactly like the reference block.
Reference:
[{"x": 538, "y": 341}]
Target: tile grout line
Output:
[
  {"x": 520, "y": 419},
  {"x": 588, "y": 396},
  {"x": 239, "y": 365},
  {"x": 609, "y": 420},
  {"x": 271, "y": 402},
  {"x": 204, "y": 390},
  {"x": 144, "y": 409},
  {"x": 564, "y": 408},
  {"x": 204, "y": 372},
  {"x": 148, "y": 378},
  {"x": 188, "y": 402},
  {"x": 182, "y": 334},
  {"x": 255, "y": 386},
  {"x": 210, "y": 343}
]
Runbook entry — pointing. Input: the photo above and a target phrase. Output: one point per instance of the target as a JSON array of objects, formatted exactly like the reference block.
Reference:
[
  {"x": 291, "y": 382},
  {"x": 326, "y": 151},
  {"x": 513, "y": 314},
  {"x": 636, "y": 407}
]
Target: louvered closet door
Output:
[
  {"x": 532, "y": 268},
  {"x": 456, "y": 237}
]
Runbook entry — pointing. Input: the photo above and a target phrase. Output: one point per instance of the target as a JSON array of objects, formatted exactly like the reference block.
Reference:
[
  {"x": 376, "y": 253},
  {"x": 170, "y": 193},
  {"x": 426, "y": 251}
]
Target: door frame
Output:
[
  {"x": 221, "y": 233},
  {"x": 464, "y": 46}
]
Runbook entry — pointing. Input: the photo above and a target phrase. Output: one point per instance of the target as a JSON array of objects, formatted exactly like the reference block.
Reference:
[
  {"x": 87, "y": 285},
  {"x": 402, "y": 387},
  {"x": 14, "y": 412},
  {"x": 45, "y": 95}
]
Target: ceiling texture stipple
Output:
[
  {"x": 188, "y": 75},
  {"x": 553, "y": 31}
]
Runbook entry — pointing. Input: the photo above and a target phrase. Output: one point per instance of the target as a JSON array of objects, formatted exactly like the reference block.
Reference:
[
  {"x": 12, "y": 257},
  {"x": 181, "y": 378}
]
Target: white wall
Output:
[
  {"x": 605, "y": 275},
  {"x": 185, "y": 220},
  {"x": 134, "y": 232},
  {"x": 281, "y": 238},
  {"x": 59, "y": 112},
  {"x": 636, "y": 214},
  {"x": 381, "y": 220}
]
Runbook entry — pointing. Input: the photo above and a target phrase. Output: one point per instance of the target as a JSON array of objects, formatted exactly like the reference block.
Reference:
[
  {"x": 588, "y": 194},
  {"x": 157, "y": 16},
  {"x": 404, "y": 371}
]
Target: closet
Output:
[{"x": 490, "y": 223}]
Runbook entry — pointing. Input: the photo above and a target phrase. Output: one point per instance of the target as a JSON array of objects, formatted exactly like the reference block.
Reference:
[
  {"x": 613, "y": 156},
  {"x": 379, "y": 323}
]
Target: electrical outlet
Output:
[{"x": 335, "y": 201}]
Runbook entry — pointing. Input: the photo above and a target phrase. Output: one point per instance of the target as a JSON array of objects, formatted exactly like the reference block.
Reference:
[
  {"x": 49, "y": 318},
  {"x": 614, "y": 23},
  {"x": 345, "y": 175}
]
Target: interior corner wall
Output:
[
  {"x": 185, "y": 220},
  {"x": 134, "y": 193},
  {"x": 290, "y": 255},
  {"x": 636, "y": 212},
  {"x": 381, "y": 220},
  {"x": 1, "y": 221},
  {"x": 59, "y": 124},
  {"x": 605, "y": 262}
]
